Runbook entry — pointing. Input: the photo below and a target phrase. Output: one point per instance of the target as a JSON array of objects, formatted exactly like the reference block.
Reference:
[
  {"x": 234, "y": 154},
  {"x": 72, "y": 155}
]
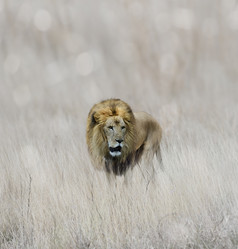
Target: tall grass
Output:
[{"x": 174, "y": 59}]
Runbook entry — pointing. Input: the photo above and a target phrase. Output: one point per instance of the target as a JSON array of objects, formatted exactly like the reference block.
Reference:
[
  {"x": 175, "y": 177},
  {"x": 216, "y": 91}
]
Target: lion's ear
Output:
[{"x": 93, "y": 119}]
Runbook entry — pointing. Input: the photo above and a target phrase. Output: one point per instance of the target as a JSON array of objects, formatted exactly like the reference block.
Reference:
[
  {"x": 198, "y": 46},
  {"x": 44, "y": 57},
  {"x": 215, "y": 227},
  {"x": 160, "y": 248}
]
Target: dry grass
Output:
[{"x": 174, "y": 59}]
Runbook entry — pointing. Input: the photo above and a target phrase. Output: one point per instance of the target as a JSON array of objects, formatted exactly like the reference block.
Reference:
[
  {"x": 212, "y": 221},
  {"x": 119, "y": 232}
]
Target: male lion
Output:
[{"x": 117, "y": 137}]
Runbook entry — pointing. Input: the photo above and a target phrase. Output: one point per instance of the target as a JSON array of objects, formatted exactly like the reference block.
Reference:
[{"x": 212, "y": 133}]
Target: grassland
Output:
[{"x": 174, "y": 59}]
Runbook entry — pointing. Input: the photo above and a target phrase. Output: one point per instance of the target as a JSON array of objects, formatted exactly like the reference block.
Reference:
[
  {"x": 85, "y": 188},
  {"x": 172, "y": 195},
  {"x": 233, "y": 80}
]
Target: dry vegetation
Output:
[{"x": 174, "y": 59}]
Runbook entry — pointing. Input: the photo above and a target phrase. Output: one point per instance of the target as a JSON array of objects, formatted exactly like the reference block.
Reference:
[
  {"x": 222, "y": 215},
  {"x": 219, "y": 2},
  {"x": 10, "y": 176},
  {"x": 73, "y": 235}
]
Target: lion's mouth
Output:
[{"x": 116, "y": 151}]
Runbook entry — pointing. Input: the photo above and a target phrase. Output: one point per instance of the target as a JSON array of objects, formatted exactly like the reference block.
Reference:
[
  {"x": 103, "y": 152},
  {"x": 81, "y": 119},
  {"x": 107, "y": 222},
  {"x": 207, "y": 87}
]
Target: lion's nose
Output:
[{"x": 119, "y": 140}]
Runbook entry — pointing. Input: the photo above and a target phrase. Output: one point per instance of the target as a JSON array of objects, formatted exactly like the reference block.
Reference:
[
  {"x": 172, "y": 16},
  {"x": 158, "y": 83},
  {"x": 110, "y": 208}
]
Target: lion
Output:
[{"x": 117, "y": 138}]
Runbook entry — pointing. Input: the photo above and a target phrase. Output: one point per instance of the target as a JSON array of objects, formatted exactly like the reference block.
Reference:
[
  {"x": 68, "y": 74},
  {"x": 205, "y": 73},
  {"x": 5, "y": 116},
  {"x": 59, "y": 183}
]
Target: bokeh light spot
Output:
[
  {"x": 42, "y": 20},
  {"x": 84, "y": 64}
]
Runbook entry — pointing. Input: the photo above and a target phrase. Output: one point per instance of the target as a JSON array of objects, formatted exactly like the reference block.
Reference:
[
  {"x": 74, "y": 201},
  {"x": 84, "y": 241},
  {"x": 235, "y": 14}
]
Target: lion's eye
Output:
[
  {"x": 110, "y": 127},
  {"x": 123, "y": 127}
]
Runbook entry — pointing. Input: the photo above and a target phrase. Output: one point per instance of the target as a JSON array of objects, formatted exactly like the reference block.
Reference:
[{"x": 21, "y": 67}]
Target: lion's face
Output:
[{"x": 115, "y": 131}]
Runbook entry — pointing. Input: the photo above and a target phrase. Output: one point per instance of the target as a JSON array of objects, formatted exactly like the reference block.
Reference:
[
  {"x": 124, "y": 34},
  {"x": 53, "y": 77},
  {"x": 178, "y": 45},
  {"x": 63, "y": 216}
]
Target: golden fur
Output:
[{"x": 117, "y": 137}]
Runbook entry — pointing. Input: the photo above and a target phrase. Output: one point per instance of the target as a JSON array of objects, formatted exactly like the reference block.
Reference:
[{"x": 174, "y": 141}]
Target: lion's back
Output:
[{"x": 149, "y": 133}]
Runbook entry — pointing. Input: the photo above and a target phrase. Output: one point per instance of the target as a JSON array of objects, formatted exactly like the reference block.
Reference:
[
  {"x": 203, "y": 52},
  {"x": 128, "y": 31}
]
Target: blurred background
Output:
[
  {"x": 156, "y": 55},
  {"x": 175, "y": 59}
]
